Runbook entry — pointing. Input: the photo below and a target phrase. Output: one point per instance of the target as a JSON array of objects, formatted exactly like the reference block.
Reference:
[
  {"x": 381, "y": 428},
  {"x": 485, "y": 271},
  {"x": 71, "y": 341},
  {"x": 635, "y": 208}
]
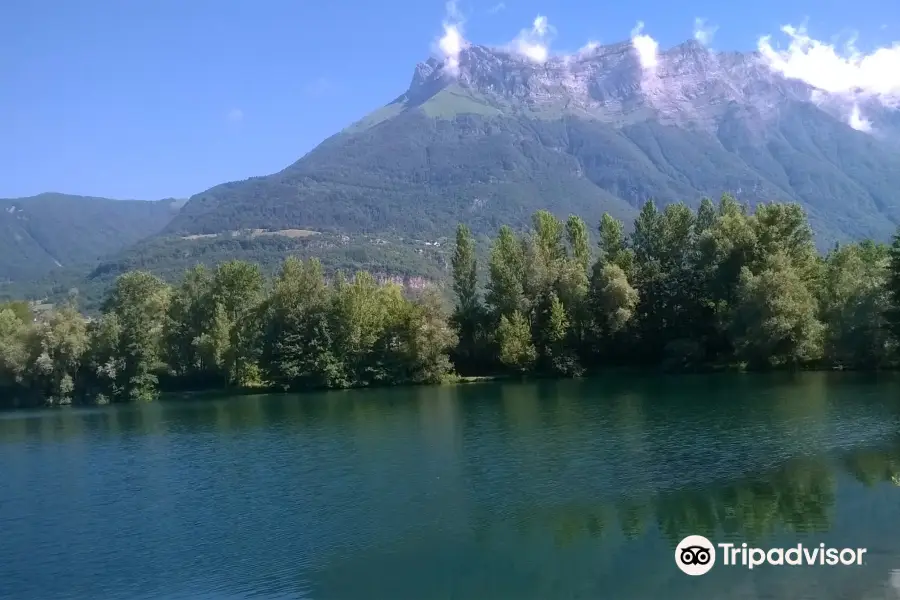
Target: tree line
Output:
[
  {"x": 720, "y": 287},
  {"x": 225, "y": 327}
]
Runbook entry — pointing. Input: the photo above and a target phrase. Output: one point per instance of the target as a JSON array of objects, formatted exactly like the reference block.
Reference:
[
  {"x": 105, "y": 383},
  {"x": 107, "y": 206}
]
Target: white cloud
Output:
[
  {"x": 451, "y": 44},
  {"x": 848, "y": 72},
  {"x": 703, "y": 32},
  {"x": 235, "y": 115},
  {"x": 857, "y": 121},
  {"x": 645, "y": 46},
  {"x": 589, "y": 47},
  {"x": 534, "y": 43},
  {"x": 497, "y": 8}
]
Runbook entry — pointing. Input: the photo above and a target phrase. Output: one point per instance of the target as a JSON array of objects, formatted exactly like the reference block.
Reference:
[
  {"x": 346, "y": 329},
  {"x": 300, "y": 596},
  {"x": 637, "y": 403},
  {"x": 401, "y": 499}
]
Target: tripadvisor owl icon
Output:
[{"x": 695, "y": 555}]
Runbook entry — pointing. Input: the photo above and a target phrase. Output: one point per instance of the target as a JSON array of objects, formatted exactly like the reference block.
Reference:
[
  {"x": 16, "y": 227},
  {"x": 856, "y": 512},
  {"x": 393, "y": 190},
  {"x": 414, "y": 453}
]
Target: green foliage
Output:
[
  {"x": 612, "y": 301},
  {"x": 776, "y": 320},
  {"x": 223, "y": 327},
  {"x": 517, "y": 351},
  {"x": 138, "y": 303},
  {"x": 893, "y": 287},
  {"x": 724, "y": 287},
  {"x": 469, "y": 318},
  {"x": 465, "y": 277},
  {"x": 16, "y": 337},
  {"x": 579, "y": 241},
  {"x": 298, "y": 342},
  {"x": 612, "y": 245},
  {"x": 506, "y": 293},
  {"x": 20, "y": 309},
  {"x": 855, "y": 303},
  {"x": 61, "y": 341}
]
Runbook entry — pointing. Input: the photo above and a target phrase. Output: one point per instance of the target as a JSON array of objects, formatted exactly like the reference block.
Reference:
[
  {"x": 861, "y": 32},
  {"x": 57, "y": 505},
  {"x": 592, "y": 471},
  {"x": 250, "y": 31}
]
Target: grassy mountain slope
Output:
[
  {"x": 42, "y": 233},
  {"x": 412, "y": 175},
  {"x": 417, "y": 174}
]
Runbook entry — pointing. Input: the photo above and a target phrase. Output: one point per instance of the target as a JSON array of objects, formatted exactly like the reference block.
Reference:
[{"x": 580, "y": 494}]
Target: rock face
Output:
[
  {"x": 601, "y": 130},
  {"x": 688, "y": 84}
]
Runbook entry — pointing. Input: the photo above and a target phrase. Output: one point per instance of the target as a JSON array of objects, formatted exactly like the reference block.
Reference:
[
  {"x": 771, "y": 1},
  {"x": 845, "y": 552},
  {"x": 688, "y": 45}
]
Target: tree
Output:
[
  {"x": 548, "y": 237},
  {"x": 60, "y": 344},
  {"x": 855, "y": 302},
  {"x": 893, "y": 287},
  {"x": 15, "y": 343},
  {"x": 665, "y": 272},
  {"x": 613, "y": 248},
  {"x": 104, "y": 365},
  {"x": 237, "y": 287},
  {"x": 612, "y": 302},
  {"x": 555, "y": 352},
  {"x": 706, "y": 217},
  {"x": 428, "y": 339},
  {"x": 468, "y": 317},
  {"x": 517, "y": 351},
  {"x": 506, "y": 294},
  {"x": 579, "y": 242},
  {"x": 20, "y": 309},
  {"x": 138, "y": 302},
  {"x": 297, "y": 343},
  {"x": 776, "y": 320},
  {"x": 465, "y": 275},
  {"x": 189, "y": 317}
]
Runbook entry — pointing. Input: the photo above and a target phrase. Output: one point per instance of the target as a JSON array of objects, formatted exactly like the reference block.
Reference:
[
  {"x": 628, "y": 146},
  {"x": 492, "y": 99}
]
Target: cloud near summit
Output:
[
  {"x": 646, "y": 47},
  {"x": 845, "y": 71},
  {"x": 704, "y": 32},
  {"x": 534, "y": 43},
  {"x": 451, "y": 44}
]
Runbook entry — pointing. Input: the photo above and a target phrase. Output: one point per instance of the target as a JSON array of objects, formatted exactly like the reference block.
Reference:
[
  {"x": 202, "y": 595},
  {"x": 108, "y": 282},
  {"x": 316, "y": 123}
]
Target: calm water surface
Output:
[{"x": 516, "y": 491}]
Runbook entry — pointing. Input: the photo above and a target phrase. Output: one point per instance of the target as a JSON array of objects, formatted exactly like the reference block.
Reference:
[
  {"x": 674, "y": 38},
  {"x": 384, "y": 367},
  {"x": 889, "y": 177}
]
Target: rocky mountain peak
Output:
[{"x": 686, "y": 84}]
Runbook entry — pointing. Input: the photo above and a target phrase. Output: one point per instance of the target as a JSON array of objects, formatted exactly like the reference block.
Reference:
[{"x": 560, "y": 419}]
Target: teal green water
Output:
[{"x": 556, "y": 490}]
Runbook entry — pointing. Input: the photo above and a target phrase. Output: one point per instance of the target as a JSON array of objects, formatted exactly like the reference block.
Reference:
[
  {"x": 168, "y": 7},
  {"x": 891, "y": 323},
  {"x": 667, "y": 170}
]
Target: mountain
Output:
[
  {"x": 598, "y": 131},
  {"x": 587, "y": 133},
  {"x": 42, "y": 233}
]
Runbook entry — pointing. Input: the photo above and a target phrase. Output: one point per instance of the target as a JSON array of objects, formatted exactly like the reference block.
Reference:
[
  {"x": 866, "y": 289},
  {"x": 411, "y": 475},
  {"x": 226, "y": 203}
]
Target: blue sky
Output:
[{"x": 158, "y": 98}]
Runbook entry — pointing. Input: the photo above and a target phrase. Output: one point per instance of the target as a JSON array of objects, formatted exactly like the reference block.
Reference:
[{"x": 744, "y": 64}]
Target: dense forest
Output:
[{"x": 722, "y": 287}]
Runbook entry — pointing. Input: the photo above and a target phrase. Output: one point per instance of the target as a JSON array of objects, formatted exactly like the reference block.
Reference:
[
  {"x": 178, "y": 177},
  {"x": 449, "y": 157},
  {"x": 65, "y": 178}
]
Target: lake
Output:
[{"x": 549, "y": 490}]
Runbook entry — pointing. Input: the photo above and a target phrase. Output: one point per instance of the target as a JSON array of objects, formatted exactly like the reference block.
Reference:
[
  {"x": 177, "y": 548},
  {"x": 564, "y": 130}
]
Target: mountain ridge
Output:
[
  {"x": 51, "y": 230},
  {"x": 588, "y": 133}
]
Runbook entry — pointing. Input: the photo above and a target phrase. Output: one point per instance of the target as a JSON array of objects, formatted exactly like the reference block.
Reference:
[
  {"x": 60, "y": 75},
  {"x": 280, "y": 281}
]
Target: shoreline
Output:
[{"x": 263, "y": 390}]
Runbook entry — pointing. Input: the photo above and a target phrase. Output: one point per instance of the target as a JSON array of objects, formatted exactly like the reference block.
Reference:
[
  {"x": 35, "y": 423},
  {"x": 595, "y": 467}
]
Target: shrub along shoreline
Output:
[{"x": 723, "y": 287}]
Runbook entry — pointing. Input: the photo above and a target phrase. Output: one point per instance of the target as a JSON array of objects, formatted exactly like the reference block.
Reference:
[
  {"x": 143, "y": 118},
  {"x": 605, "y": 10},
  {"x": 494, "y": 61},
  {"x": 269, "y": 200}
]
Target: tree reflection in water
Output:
[{"x": 798, "y": 497}]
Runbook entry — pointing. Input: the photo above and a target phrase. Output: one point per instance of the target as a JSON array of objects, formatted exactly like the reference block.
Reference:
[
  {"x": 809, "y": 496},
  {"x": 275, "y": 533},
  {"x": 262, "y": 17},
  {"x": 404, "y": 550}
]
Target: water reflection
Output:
[
  {"x": 798, "y": 497},
  {"x": 548, "y": 490}
]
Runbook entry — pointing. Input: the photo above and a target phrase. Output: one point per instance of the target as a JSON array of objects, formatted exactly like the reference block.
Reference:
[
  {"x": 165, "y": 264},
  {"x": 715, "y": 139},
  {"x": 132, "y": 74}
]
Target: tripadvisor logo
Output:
[{"x": 696, "y": 555}]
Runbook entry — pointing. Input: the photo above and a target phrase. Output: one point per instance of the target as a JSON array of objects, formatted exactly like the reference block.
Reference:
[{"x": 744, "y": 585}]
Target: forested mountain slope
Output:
[
  {"x": 45, "y": 232},
  {"x": 586, "y": 135}
]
